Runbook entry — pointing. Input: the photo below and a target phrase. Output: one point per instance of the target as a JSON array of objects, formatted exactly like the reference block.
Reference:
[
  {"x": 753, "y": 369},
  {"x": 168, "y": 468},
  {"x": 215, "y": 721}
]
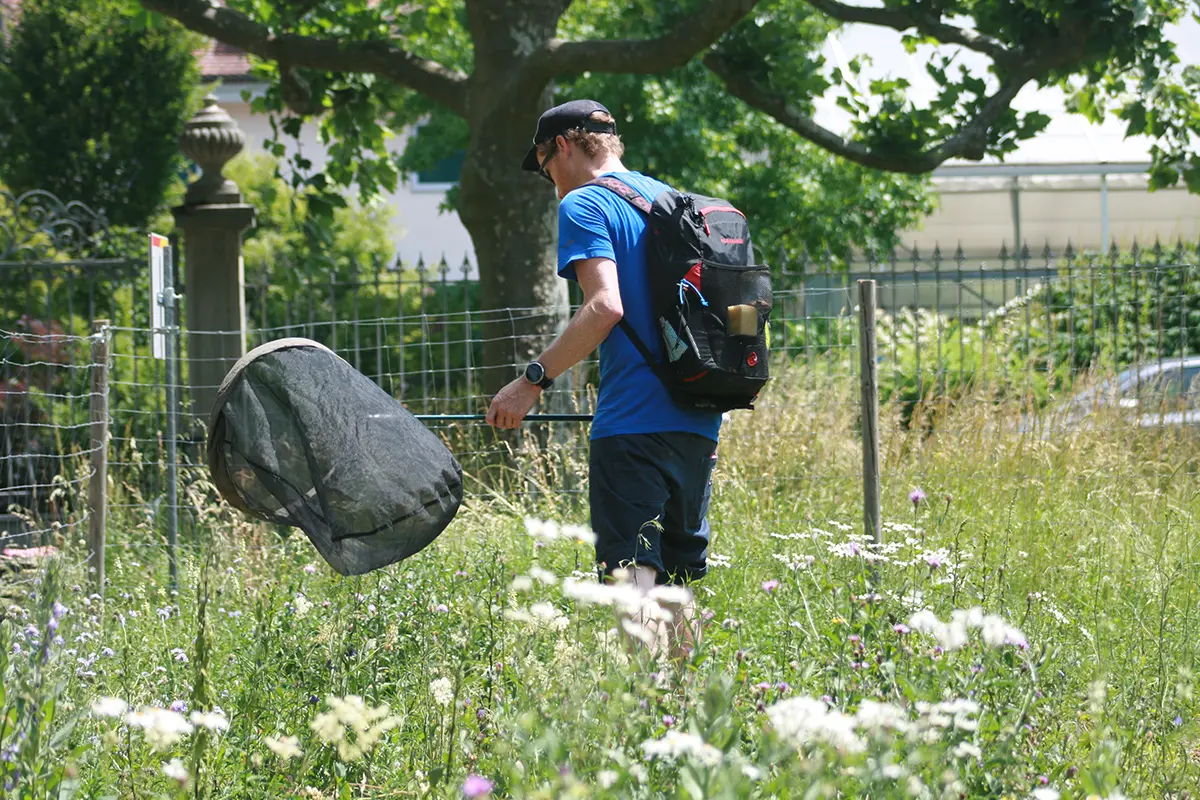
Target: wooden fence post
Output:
[
  {"x": 869, "y": 385},
  {"x": 97, "y": 501}
]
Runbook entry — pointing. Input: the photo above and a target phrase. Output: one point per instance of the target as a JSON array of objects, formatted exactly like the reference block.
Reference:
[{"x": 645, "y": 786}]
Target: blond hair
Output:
[{"x": 593, "y": 145}]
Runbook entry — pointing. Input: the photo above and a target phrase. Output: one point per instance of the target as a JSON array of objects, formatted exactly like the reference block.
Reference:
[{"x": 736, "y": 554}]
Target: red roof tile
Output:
[{"x": 220, "y": 60}]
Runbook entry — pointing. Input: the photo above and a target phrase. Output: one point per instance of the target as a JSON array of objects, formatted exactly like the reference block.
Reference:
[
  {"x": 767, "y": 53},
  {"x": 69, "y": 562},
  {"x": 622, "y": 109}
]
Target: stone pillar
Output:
[{"x": 213, "y": 218}]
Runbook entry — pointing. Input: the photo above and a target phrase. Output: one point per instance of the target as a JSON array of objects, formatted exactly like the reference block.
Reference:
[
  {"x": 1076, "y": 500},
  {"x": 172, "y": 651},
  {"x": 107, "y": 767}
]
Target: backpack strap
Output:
[
  {"x": 635, "y": 199},
  {"x": 623, "y": 189}
]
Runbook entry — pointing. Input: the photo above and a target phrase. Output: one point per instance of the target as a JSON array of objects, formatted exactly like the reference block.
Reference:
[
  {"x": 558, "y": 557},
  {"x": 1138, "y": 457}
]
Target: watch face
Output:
[{"x": 535, "y": 372}]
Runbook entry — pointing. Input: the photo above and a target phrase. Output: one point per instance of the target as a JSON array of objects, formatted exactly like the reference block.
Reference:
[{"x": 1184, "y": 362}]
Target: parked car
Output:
[{"x": 1154, "y": 394}]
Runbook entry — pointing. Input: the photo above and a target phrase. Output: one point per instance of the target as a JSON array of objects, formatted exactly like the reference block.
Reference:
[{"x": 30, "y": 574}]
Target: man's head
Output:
[{"x": 572, "y": 141}]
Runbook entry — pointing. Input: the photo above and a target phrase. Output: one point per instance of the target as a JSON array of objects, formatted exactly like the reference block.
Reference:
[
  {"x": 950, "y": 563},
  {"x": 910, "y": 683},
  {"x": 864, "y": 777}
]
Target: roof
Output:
[{"x": 221, "y": 61}]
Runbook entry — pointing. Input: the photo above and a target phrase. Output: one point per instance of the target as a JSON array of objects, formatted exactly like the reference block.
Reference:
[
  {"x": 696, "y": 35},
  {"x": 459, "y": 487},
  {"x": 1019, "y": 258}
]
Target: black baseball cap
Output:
[{"x": 560, "y": 119}]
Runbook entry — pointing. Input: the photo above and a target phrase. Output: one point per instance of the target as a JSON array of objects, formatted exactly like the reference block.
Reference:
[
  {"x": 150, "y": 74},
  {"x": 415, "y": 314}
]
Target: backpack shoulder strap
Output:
[{"x": 619, "y": 187}]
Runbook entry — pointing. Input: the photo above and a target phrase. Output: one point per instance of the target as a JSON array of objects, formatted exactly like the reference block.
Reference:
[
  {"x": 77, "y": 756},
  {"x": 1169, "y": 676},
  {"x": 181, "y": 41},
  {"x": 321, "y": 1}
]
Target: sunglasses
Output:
[{"x": 542, "y": 166}]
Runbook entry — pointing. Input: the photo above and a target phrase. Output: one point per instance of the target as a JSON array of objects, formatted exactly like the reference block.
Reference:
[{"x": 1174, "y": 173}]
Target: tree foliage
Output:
[
  {"x": 92, "y": 104},
  {"x": 716, "y": 95}
]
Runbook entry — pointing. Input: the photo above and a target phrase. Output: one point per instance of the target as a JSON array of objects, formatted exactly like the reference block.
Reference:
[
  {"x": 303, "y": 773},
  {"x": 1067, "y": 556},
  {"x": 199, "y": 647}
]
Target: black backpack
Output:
[{"x": 711, "y": 301}]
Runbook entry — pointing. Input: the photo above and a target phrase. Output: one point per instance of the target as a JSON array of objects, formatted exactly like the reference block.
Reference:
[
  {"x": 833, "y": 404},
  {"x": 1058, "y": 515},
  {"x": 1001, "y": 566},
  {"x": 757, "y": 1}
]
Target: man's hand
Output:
[{"x": 511, "y": 405}]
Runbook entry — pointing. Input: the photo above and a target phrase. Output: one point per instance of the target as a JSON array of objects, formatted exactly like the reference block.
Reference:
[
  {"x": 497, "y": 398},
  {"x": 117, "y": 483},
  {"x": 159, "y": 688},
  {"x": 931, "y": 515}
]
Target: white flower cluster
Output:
[
  {"x": 952, "y": 635},
  {"x": 540, "y": 616},
  {"x": 549, "y": 531},
  {"x": 675, "y": 745},
  {"x": 443, "y": 691},
  {"x": 162, "y": 727},
  {"x": 805, "y": 721},
  {"x": 351, "y": 715},
  {"x": 302, "y": 605},
  {"x": 285, "y": 748}
]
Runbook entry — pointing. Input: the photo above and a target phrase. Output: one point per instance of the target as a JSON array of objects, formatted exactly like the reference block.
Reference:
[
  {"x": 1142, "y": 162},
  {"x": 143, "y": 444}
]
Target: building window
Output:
[{"x": 443, "y": 174}]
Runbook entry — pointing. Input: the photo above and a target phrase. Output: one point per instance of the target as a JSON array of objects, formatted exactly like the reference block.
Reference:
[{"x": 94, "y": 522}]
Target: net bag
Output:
[{"x": 298, "y": 436}]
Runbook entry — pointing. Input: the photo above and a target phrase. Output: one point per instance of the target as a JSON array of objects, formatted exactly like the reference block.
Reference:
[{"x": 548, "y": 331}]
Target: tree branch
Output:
[
  {"x": 902, "y": 19},
  {"x": 969, "y": 142},
  {"x": 675, "y": 48},
  {"x": 444, "y": 86}
]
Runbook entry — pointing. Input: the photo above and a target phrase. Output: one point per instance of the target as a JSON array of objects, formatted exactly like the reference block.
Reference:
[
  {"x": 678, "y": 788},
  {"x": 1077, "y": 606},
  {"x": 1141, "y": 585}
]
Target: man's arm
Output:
[
  {"x": 588, "y": 327},
  {"x": 592, "y": 322}
]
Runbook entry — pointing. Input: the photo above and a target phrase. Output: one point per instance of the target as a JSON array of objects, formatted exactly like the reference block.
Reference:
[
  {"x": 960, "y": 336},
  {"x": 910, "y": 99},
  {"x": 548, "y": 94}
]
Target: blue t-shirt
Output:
[{"x": 594, "y": 222}]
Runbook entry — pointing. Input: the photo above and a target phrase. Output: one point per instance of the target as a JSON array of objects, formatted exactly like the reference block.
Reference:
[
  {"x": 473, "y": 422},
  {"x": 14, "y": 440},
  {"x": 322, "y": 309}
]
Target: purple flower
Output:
[
  {"x": 164, "y": 612},
  {"x": 854, "y": 637},
  {"x": 916, "y": 496},
  {"x": 933, "y": 561},
  {"x": 1043, "y": 780},
  {"x": 762, "y": 686},
  {"x": 310, "y": 568},
  {"x": 444, "y": 609},
  {"x": 58, "y": 610},
  {"x": 370, "y": 608},
  {"x": 179, "y": 707},
  {"x": 668, "y": 720},
  {"x": 770, "y": 586},
  {"x": 1178, "y": 720},
  {"x": 901, "y": 628},
  {"x": 783, "y": 686},
  {"x": 107, "y": 652},
  {"x": 16, "y": 649},
  {"x": 477, "y": 786}
]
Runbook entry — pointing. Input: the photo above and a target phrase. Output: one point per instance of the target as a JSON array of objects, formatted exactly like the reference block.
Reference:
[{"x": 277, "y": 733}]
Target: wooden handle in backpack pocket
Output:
[{"x": 742, "y": 320}]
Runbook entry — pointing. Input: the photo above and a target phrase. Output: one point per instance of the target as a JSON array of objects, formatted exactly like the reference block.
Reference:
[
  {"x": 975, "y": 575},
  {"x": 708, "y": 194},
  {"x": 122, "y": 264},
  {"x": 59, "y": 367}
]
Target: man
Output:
[{"x": 651, "y": 461}]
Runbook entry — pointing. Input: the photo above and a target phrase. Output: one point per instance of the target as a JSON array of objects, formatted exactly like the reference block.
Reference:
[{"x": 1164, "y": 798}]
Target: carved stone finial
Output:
[{"x": 212, "y": 138}]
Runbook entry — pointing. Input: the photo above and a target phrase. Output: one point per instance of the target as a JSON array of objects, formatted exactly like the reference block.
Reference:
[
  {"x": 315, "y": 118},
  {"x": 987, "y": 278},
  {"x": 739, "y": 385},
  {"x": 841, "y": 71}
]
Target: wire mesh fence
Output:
[
  {"x": 1020, "y": 350},
  {"x": 45, "y": 435}
]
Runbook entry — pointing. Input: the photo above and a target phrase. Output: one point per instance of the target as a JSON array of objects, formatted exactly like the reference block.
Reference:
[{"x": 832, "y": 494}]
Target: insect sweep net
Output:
[{"x": 298, "y": 436}]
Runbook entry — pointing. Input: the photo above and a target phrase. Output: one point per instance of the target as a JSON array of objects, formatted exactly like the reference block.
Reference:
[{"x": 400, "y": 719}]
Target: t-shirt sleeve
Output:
[{"x": 582, "y": 231}]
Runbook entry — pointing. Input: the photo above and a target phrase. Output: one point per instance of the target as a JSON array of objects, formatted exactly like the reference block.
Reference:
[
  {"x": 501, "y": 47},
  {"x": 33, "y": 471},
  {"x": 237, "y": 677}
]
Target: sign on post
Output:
[{"x": 158, "y": 285}]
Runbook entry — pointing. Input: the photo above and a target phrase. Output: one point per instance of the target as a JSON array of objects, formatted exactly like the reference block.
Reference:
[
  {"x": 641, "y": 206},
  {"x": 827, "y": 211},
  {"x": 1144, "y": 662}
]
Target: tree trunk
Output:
[{"x": 512, "y": 215}]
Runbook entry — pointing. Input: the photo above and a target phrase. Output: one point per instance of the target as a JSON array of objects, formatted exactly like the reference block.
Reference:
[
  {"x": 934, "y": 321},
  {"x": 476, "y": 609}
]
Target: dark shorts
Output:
[{"x": 649, "y": 501}]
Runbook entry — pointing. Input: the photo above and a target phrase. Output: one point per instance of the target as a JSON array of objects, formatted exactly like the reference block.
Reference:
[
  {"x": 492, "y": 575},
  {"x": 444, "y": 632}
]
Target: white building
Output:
[{"x": 1076, "y": 182}]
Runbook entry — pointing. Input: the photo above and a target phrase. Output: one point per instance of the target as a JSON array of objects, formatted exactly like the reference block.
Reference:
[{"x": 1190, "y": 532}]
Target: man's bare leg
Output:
[{"x": 678, "y": 635}]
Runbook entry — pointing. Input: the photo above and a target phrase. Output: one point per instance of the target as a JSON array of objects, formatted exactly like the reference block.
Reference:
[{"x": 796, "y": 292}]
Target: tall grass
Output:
[{"x": 1077, "y": 676}]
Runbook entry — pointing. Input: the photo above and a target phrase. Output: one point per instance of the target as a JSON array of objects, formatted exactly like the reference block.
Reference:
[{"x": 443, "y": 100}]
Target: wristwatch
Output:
[{"x": 535, "y": 373}]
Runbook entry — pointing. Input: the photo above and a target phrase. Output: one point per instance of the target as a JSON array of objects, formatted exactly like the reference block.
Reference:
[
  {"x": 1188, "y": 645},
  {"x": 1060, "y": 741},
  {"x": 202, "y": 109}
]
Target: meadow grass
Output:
[{"x": 828, "y": 666}]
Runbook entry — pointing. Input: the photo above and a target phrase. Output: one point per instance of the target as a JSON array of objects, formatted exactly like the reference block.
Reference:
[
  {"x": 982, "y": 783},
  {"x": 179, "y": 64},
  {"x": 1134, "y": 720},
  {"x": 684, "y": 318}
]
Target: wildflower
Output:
[
  {"x": 212, "y": 720},
  {"x": 179, "y": 655},
  {"x": 805, "y": 720},
  {"x": 164, "y": 613},
  {"x": 522, "y": 583},
  {"x": 370, "y": 608},
  {"x": 916, "y": 496},
  {"x": 607, "y": 778},
  {"x": 179, "y": 706},
  {"x": 1045, "y": 793},
  {"x": 877, "y": 717},
  {"x": 302, "y": 606},
  {"x": 901, "y": 628},
  {"x": 675, "y": 745},
  {"x": 310, "y": 568},
  {"x": 285, "y": 748},
  {"x": 442, "y": 608},
  {"x": 477, "y": 786},
  {"x": 637, "y": 631},
  {"x": 16, "y": 648},
  {"x": 770, "y": 586},
  {"x": 668, "y": 720},
  {"x": 967, "y": 750},
  {"x": 176, "y": 771},
  {"x": 109, "y": 707},
  {"x": 107, "y": 652},
  {"x": 543, "y": 575},
  {"x": 671, "y": 595},
  {"x": 443, "y": 691},
  {"x": 163, "y": 728},
  {"x": 351, "y": 715}
]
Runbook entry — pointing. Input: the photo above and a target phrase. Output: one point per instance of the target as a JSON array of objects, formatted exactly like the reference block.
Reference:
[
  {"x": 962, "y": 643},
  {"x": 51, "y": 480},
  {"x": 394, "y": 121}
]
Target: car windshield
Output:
[{"x": 1172, "y": 387}]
